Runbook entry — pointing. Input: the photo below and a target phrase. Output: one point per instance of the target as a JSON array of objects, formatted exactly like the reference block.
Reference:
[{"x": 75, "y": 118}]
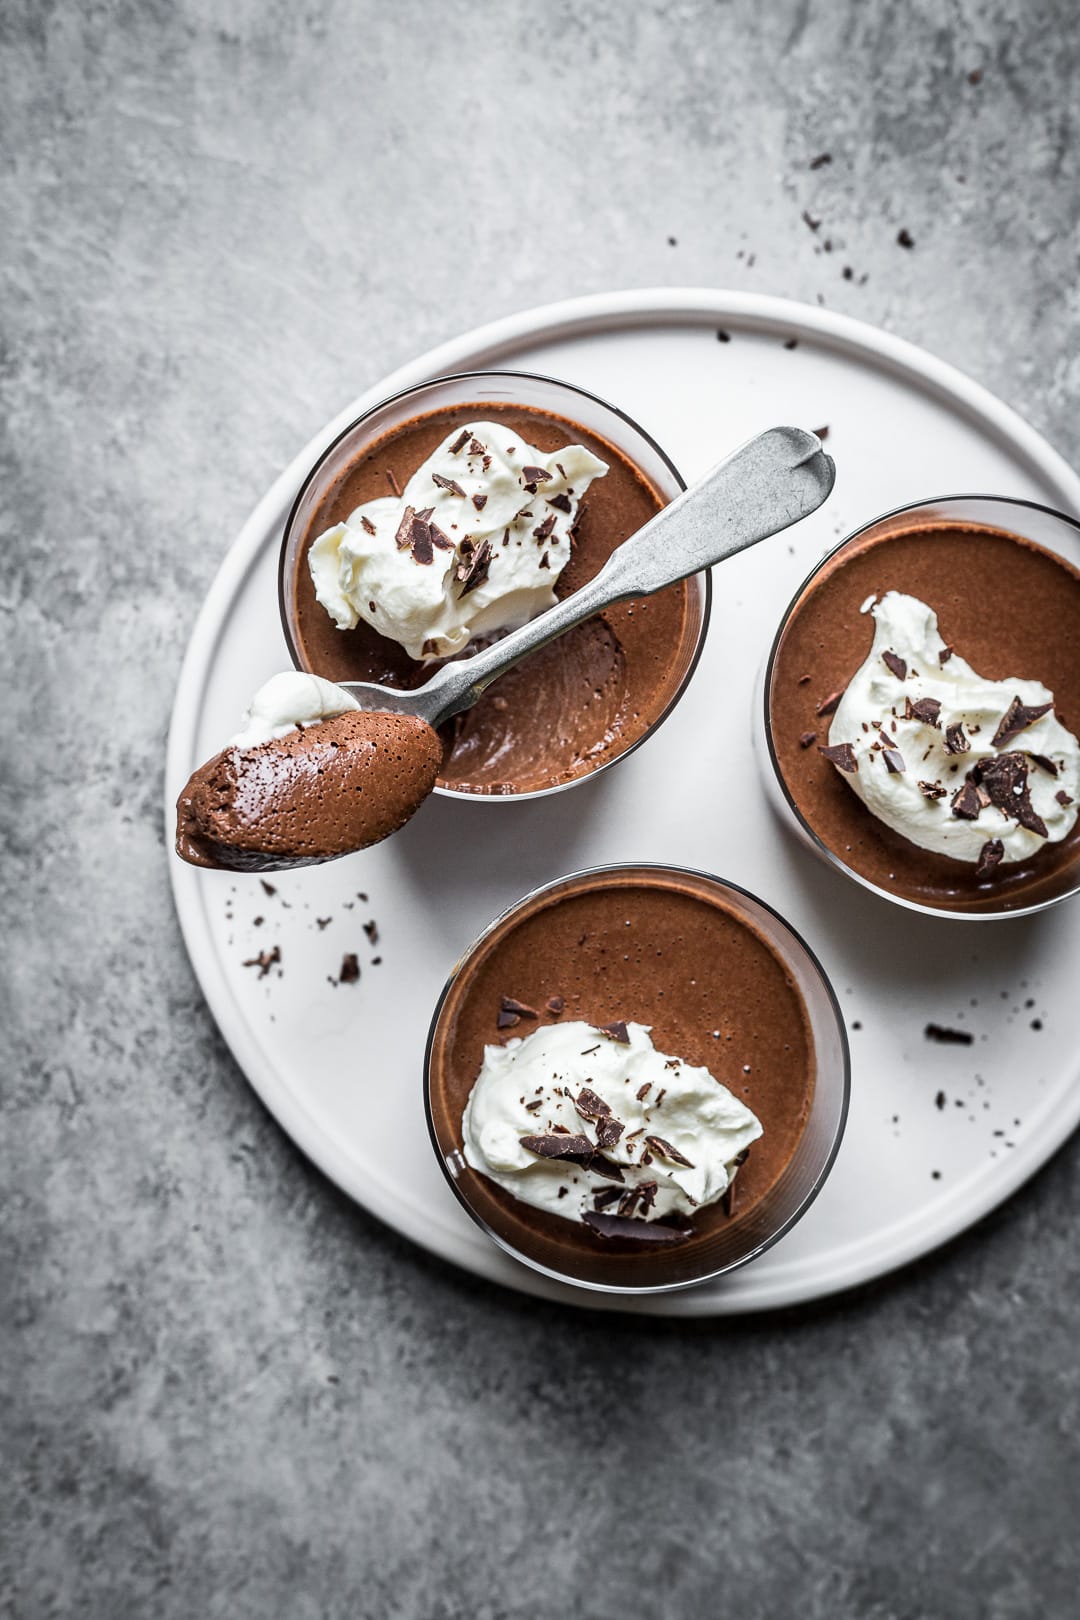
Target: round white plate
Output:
[{"x": 937, "y": 1135}]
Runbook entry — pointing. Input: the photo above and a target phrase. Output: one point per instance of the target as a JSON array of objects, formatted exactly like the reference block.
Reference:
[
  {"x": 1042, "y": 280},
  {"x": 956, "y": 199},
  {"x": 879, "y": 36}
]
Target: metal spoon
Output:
[{"x": 771, "y": 482}]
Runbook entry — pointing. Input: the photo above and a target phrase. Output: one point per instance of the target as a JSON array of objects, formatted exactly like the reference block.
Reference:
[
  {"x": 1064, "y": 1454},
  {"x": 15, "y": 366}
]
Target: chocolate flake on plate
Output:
[
  {"x": 620, "y": 1226},
  {"x": 350, "y": 968},
  {"x": 895, "y": 663},
  {"x": 448, "y": 483},
  {"x": 925, "y": 709},
  {"x": 841, "y": 755},
  {"x": 664, "y": 1150},
  {"x": 554, "y": 1145},
  {"x": 1005, "y": 780},
  {"x": 990, "y": 857},
  {"x": 1016, "y": 719},
  {"x": 829, "y": 704},
  {"x": 894, "y": 761},
  {"x": 265, "y": 961},
  {"x": 474, "y": 571},
  {"x": 955, "y": 740},
  {"x": 616, "y": 1031},
  {"x": 948, "y": 1037}
]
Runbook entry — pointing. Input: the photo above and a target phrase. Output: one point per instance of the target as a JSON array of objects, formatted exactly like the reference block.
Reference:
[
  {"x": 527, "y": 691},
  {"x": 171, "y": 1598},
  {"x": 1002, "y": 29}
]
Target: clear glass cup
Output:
[
  {"x": 507, "y": 389},
  {"x": 1056, "y": 533},
  {"x": 563, "y": 1249}
]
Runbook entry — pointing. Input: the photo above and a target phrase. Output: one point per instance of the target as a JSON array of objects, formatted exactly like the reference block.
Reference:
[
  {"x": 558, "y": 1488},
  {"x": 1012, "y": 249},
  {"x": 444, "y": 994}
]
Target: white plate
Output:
[{"x": 340, "y": 1066}]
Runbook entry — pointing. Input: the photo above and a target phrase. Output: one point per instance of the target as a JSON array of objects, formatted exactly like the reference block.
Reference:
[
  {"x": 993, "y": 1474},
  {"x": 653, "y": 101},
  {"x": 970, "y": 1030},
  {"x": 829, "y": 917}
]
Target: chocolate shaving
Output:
[
  {"x": 966, "y": 802},
  {"x": 1016, "y": 719},
  {"x": 589, "y": 1105},
  {"x": 807, "y": 738},
  {"x": 531, "y": 476},
  {"x": 955, "y": 740},
  {"x": 448, "y": 483},
  {"x": 820, "y": 161},
  {"x": 531, "y": 1108},
  {"x": 520, "y": 1009},
  {"x": 944, "y": 655},
  {"x": 830, "y": 703},
  {"x": 395, "y": 487},
  {"x": 616, "y": 1031},
  {"x": 555, "y": 1004},
  {"x": 823, "y": 432},
  {"x": 619, "y": 1226},
  {"x": 643, "y": 1091},
  {"x": 664, "y": 1150},
  {"x": 727, "y": 1203},
  {"x": 990, "y": 857},
  {"x": 366, "y": 523},
  {"x": 603, "y": 1196},
  {"x": 894, "y": 761},
  {"x": 608, "y": 1131},
  {"x": 561, "y": 501},
  {"x": 545, "y": 561},
  {"x": 1063, "y": 798},
  {"x": 474, "y": 572},
  {"x": 842, "y": 756},
  {"x": 1005, "y": 781},
  {"x": 925, "y": 709},
  {"x": 628, "y": 1201},
  {"x": 895, "y": 663},
  {"x": 647, "y": 1191},
  {"x": 268, "y": 888},
  {"x": 460, "y": 442},
  {"x": 905, "y": 238},
  {"x": 417, "y": 533},
  {"x": 476, "y": 448},
  {"x": 555, "y": 1145},
  {"x": 1045, "y": 763},
  {"x": 350, "y": 968},
  {"x": 948, "y": 1037},
  {"x": 932, "y": 790},
  {"x": 479, "y": 501},
  {"x": 604, "y": 1167},
  {"x": 543, "y": 529}
]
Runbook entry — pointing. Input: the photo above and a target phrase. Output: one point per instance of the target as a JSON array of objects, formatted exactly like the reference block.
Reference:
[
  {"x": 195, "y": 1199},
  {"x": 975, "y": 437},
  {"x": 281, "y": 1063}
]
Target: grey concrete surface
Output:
[{"x": 226, "y": 1392}]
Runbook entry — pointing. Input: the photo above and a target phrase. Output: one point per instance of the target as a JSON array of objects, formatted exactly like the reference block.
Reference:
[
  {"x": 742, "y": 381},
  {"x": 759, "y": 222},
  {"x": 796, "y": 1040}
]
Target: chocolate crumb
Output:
[
  {"x": 808, "y": 219},
  {"x": 323, "y": 922},
  {"x": 265, "y": 961},
  {"x": 944, "y": 655},
  {"x": 350, "y": 968},
  {"x": 822, "y": 433},
  {"x": 531, "y": 1108},
  {"x": 479, "y": 501},
  {"x": 268, "y": 888},
  {"x": 940, "y": 1100},
  {"x": 807, "y": 738},
  {"x": 545, "y": 561},
  {"x": 932, "y": 790},
  {"x": 841, "y": 755},
  {"x": 895, "y": 663},
  {"x": 1063, "y": 798},
  {"x": 791, "y": 343},
  {"x": 395, "y": 487},
  {"x": 820, "y": 161},
  {"x": 830, "y": 704},
  {"x": 905, "y": 238},
  {"x": 722, "y": 336},
  {"x": 990, "y": 857},
  {"x": 366, "y": 524},
  {"x": 948, "y": 1037},
  {"x": 371, "y": 929},
  {"x": 555, "y": 1004},
  {"x": 975, "y": 76}
]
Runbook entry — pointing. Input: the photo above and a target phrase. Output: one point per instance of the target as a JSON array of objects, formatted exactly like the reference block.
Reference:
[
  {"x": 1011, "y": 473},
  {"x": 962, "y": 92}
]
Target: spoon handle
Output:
[{"x": 771, "y": 482}]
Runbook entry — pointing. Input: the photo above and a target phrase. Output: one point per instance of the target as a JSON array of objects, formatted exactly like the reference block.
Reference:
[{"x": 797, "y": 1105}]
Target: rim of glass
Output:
[
  {"x": 667, "y": 867},
  {"x": 897, "y": 899},
  {"x": 704, "y": 577}
]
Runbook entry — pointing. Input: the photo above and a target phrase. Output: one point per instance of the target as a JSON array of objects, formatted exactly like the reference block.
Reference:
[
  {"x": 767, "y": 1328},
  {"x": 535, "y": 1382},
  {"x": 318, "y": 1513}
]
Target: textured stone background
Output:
[{"x": 227, "y": 1392}]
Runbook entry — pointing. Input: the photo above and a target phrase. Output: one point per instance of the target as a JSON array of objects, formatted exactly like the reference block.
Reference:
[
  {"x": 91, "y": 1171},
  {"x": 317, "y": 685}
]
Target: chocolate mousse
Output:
[
  {"x": 571, "y": 706},
  {"x": 1011, "y": 609},
  {"x": 318, "y": 792},
  {"x": 655, "y": 947}
]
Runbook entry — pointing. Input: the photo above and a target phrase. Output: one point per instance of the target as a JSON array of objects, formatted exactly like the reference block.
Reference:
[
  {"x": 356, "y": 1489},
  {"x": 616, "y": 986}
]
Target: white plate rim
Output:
[{"x": 488, "y": 346}]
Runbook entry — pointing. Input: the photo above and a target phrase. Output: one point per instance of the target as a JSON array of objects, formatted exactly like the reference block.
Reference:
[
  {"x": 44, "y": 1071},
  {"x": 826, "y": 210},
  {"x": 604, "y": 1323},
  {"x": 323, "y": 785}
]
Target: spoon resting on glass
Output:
[{"x": 342, "y": 778}]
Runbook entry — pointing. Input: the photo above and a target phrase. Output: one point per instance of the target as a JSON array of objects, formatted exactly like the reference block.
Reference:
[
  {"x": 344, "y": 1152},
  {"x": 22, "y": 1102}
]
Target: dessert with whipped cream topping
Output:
[
  {"x": 309, "y": 776},
  {"x": 924, "y": 703},
  {"x": 460, "y": 524},
  {"x": 620, "y": 1078}
]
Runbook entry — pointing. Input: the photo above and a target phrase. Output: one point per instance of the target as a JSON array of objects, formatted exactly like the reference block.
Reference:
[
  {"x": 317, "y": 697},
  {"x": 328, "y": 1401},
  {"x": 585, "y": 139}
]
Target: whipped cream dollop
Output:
[
  {"x": 674, "y": 1131},
  {"x": 287, "y": 701},
  {"x": 473, "y": 546},
  {"x": 952, "y": 761}
]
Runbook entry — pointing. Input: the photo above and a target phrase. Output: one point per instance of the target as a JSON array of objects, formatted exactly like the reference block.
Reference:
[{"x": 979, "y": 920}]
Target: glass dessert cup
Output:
[
  {"x": 693, "y": 1014},
  {"x": 810, "y": 796},
  {"x": 683, "y": 617}
]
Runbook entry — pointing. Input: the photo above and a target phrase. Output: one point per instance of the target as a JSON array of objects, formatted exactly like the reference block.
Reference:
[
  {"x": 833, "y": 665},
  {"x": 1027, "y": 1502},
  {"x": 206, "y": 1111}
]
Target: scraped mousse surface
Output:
[
  {"x": 1009, "y": 606},
  {"x": 318, "y": 792},
  {"x": 571, "y": 706},
  {"x": 665, "y": 950}
]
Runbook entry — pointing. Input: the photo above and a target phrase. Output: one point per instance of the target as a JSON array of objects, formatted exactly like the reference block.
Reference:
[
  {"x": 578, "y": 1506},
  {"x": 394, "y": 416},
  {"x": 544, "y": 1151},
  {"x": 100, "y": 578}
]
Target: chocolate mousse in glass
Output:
[
  {"x": 722, "y": 984},
  {"x": 1001, "y": 576},
  {"x": 574, "y": 707}
]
